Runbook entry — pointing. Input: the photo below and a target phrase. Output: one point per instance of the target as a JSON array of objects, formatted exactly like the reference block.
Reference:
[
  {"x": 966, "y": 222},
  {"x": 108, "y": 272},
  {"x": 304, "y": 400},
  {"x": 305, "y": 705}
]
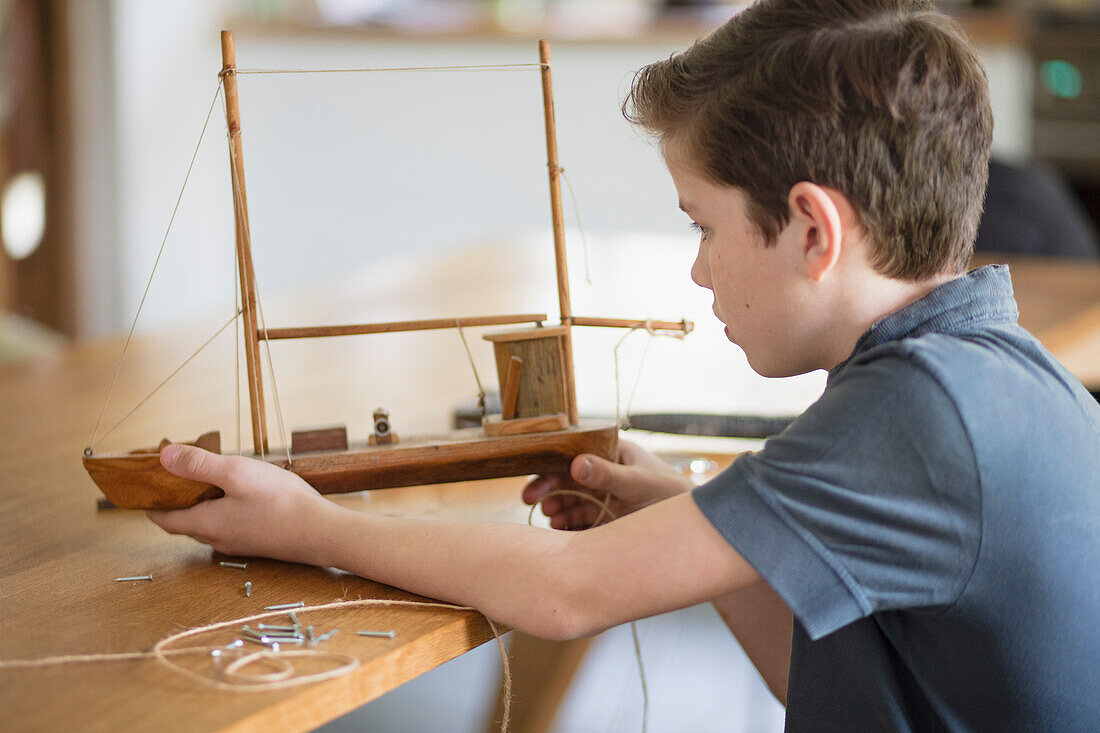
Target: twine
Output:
[
  {"x": 278, "y": 680},
  {"x": 605, "y": 510}
]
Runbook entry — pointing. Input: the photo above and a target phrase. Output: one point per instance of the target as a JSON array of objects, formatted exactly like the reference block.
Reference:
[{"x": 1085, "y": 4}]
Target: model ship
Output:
[{"x": 538, "y": 430}]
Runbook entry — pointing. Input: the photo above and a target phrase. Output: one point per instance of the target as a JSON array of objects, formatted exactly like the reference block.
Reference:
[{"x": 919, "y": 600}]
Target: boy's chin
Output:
[{"x": 774, "y": 366}]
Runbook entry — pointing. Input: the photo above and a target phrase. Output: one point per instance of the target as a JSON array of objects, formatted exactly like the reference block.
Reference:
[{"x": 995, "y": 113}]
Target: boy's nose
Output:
[{"x": 700, "y": 273}]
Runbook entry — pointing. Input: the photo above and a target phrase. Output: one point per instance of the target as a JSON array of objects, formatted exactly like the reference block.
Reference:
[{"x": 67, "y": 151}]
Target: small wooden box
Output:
[
  {"x": 315, "y": 440},
  {"x": 542, "y": 389}
]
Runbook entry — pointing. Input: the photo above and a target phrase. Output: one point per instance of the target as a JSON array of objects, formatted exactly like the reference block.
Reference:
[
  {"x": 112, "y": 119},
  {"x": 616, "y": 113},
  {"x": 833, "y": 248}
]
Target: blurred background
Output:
[{"x": 408, "y": 195}]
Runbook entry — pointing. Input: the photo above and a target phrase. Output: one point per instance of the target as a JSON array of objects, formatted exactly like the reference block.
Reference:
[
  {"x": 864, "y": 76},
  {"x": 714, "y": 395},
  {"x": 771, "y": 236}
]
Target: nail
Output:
[
  {"x": 285, "y": 605},
  {"x": 135, "y": 577},
  {"x": 248, "y": 589},
  {"x": 238, "y": 565},
  {"x": 584, "y": 469},
  {"x": 379, "y": 634},
  {"x": 277, "y": 628},
  {"x": 325, "y": 636}
]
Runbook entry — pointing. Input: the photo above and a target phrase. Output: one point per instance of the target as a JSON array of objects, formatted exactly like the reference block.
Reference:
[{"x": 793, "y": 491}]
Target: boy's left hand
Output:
[{"x": 266, "y": 511}]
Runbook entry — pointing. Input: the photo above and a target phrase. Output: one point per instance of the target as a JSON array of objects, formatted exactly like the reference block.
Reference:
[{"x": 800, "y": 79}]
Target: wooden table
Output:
[{"x": 59, "y": 556}]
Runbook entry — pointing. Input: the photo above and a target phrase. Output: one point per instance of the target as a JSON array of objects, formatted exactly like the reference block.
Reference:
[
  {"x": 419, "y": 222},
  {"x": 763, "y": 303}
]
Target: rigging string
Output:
[
  {"x": 647, "y": 326},
  {"x": 144, "y": 295},
  {"x": 237, "y": 349},
  {"x": 176, "y": 371},
  {"x": 467, "y": 67},
  {"x": 242, "y": 224},
  {"x": 480, "y": 389},
  {"x": 605, "y": 511},
  {"x": 577, "y": 213}
]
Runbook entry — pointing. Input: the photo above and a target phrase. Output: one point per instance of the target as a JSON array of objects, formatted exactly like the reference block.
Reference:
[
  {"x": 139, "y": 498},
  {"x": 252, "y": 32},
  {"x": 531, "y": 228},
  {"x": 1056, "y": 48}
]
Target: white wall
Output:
[
  {"x": 345, "y": 169},
  {"x": 347, "y": 173}
]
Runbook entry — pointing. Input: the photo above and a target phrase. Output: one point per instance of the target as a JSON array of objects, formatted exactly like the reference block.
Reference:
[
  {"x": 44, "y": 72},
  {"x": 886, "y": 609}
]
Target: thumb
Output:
[
  {"x": 187, "y": 461},
  {"x": 593, "y": 472}
]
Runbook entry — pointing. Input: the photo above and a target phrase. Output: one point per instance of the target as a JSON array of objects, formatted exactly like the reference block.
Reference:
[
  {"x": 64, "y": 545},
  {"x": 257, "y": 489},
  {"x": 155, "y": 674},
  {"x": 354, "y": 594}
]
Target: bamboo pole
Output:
[
  {"x": 684, "y": 326},
  {"x": 302, "y": 332},
  {"x": 559, "y": 228},
  {"x": 244, "y": 246}
]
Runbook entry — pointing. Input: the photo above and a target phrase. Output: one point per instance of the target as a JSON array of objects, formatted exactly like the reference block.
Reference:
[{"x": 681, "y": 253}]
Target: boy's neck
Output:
[{"x": 870, "y": 300}]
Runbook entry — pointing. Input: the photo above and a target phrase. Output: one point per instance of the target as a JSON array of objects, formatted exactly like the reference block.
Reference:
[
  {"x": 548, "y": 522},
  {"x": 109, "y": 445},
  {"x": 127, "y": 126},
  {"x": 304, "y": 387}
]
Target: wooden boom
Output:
[{"x": 302, "y": 332}]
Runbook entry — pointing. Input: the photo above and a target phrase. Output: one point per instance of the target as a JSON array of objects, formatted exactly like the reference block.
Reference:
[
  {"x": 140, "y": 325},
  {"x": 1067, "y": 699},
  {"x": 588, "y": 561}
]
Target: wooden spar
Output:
[
  {"x": 684, "y": 326},
  {"x": 272, "y": 334},
  {"x": 244, "y": 246},
  {"x": 559, "y": 228}
]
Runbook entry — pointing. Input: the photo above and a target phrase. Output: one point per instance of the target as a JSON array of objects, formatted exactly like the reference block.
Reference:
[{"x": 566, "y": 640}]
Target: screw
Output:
[{"x": 378, "y": 634}]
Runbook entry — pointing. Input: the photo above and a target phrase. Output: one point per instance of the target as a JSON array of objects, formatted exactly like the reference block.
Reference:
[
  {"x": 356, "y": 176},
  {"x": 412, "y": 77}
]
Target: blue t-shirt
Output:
[{"x": 933, "y": 521}]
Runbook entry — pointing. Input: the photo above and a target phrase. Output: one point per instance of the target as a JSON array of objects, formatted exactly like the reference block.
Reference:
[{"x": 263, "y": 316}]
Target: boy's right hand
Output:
[{"x": 637, "y": 480}]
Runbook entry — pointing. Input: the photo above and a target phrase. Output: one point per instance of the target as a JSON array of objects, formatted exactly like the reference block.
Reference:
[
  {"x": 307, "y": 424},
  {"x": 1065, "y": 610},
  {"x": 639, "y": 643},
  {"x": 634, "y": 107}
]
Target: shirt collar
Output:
[{"x": 981, "y": 297}]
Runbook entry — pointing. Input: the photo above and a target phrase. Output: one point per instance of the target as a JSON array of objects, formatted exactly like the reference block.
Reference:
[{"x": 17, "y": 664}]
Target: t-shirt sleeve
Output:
[{"x": 869, "y": 501}]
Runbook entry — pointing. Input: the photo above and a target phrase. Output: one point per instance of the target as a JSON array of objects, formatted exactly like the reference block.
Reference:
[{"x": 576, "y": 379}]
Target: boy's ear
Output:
[{"x": 821, "y": 231}]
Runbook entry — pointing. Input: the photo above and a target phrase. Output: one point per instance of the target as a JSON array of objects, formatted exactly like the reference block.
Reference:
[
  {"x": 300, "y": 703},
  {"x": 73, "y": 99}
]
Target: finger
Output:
[
  {"x": 552, "y": 506},
  {"x": 582, "y": 516},
  {"x": 540, "y": 487},
  {"x": 176, "y": 521}
]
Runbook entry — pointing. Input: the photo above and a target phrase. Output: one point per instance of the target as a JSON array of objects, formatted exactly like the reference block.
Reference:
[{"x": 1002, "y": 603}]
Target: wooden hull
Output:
[{"x": 137, "y": 480}]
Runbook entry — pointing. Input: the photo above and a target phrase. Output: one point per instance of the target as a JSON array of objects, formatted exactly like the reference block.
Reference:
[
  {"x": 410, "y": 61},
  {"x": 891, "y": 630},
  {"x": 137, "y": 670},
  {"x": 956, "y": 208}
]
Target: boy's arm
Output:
[
  {"x": 756, "y": 615},
  {"x": 550, "y": 584},
  {"x": 762, "y": 624}
]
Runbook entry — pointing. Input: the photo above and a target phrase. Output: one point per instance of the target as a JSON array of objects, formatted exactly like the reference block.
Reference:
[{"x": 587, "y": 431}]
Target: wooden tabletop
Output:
[{"x": 59, "y": 556}]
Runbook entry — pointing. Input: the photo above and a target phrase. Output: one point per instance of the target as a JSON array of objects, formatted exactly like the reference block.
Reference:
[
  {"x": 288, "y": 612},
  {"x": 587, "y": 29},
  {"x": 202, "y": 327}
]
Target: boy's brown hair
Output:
[{"x": 883, "y": 100}]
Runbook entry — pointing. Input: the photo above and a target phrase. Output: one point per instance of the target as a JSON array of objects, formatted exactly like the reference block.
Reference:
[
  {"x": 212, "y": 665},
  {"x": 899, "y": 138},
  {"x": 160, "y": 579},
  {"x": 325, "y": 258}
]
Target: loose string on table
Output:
[{"x": 279, "y": 680}]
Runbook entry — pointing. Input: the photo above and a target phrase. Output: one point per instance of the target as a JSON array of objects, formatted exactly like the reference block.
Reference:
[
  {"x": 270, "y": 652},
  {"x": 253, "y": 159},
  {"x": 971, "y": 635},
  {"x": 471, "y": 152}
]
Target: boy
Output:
[{"x": 931, "y": 555}]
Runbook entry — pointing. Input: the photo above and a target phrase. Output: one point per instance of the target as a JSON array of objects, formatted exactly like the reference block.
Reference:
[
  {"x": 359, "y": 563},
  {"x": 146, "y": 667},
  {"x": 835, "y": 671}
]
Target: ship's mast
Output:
[
  {"x": 244, "y": 247},
  {"x": 559, "y": 229}
]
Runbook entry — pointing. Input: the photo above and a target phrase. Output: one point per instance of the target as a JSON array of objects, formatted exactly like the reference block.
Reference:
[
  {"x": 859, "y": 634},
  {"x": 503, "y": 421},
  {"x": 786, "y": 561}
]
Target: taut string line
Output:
[
  {"x": 234, "y": 317},
  {"x": 467, "y": 67},
  {"x": 480, "y": 389},
  {"x": 164, "y": 241},
  {"x": 242, "y": 223},
  {"x": 646, "y": 326}
]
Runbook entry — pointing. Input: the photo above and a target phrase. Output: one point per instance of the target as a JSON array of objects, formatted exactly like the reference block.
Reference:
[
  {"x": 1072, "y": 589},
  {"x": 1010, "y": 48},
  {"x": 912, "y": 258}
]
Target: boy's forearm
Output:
[
  {"x": 515, "y": 574},
  {"x": 551, "y": 584}
]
